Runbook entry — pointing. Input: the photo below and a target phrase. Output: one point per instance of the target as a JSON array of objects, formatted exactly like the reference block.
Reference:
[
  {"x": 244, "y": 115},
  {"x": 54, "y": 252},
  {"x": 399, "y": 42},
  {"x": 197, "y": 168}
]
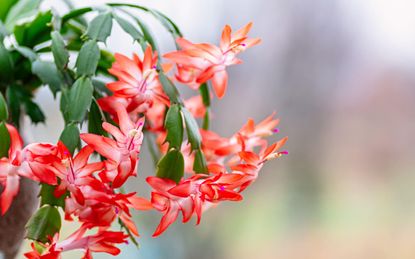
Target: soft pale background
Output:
[{"x": 340, "y": 75}]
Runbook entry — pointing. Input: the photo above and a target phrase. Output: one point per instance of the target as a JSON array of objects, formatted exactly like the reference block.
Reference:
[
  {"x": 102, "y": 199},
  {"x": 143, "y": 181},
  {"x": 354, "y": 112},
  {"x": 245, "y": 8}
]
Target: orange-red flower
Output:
[
  {"x": 198, "y": 63},
  {"x": 138, "y": 81}
]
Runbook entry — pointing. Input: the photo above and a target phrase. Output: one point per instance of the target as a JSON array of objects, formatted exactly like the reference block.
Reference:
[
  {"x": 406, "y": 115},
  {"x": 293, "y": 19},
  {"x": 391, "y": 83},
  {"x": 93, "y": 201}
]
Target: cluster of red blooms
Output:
[{"x": 138, "y": 102}]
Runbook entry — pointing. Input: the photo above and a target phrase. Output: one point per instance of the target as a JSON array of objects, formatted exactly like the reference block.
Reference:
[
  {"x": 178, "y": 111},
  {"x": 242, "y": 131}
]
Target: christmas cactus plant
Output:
[{"x": 124, "y": 101}]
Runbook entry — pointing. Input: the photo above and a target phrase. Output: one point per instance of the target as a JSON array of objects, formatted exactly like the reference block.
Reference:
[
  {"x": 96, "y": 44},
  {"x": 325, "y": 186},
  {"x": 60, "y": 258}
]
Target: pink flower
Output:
[{"x": 122, "y": 153}]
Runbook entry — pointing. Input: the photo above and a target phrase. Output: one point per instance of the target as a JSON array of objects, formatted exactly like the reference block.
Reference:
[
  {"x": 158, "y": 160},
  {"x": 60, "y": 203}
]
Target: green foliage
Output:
[
  {"x": 95, "y": 119},
  {"x": 79, "y": 99},
  {"x": 48, "y": 74},
  {"x": 100, "y": 27},
  {"x": 199, "y": 164},
  {"x": 171, "y": 166},
  {"x": 169, "y": 88},
  {"x": 4, "y": 113},
  {"x": 27, "y": 53},
  {"x": 174, "y": 126},
  {"x": 129, "y": 28},
  {"x": 88, "y": 58},
  {"x": 70, "y": 137},
  {"x": 18, "y": 97},
  {"x": 192, "y": 130},
  {"x": 47, "y": 197},
  {"x": 22, "y": 9},
  {"x": 5, "y": 6},
  {"x": 60, "y": 54},
  {"x": 44, "y": 223},
  {"x": 13, "y": 101},
  {"x": 4, "y": 140},
  {"x": 6, "y": 65},
  {"x": 34, "y": 32},
  {"x": 33, "y": 111}
]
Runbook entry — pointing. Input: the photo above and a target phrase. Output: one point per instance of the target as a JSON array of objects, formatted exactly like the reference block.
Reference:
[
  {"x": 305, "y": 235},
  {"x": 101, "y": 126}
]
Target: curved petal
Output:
[
  {"x": 90, "y": 168},
  {"x": 113, "y": 130},
  {"x": 10, "y": 191},
  {"x": 127, "y": 64},
  {"x": 225, "y": 41},
  {"x": 104, "y": 146},
  {"x": 167, "y": 219},
  {"x": 81, "y": 159},
  {"x": 16, "y": 142},
  {"x": 220, "y": 82},
  {"x": 124, "y": 120},
  {"x": 139, "y": 203}
]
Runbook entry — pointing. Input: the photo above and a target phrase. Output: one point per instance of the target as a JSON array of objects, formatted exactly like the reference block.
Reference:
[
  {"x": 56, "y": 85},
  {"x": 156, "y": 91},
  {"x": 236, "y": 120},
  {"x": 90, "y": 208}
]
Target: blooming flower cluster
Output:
[{"x": 137, "y": 105}]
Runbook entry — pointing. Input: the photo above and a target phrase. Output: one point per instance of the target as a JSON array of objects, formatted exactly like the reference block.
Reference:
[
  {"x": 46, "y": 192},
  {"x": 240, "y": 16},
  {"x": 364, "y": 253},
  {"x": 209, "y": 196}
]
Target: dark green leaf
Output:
[
  {"x": 48, "y": 74},
  {"x": 105, "y": 62},
  {"x": 27, "y": 53},
  {"x": 70, "y": 137},
  {"x": 169, "y": 88},
  {"x": 204, "y": 92},
  {"x": 100, "y": 27},
  {"x": 13, "y": 101},
  {"x": 129, "y": 28},
  {"x": 63, "y": 106},
  {"x": 171, "y": 166},
  {"x": 199, "y": 165},
  {"x": 206, "y": 120},
  {"x": 4, "y": 140},
  {"x": 60, "y": 54},
  {"x": 100, "y": 88},
  {"x": 79, "y": 99},
  {"x": 47, "y": 196},
  {"x": 33, "y": 111},
  {"x": 6, "y": 64},
  {"x": 95, "y": 119},
  {"x": 22, "y": 9},
  {"x": 44, "y": 223},
  {"x": 5, "y": 6},
  {"x": 88, "y": 58},
  {"x": 4, "y": 113},
  {"x": 174, "y": 126},
  {"x": 192, "y": 129},
  {"x": 34, "y": 32},
  {"x": 74, "y": 13},
  {"x": 163, "y": 19}
]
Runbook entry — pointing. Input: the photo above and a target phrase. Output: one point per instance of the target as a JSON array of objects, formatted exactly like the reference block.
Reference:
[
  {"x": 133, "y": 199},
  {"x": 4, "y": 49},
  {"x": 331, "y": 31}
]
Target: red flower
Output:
[
  {"x": 122, "y": 153},
  {"x": 102, "y": 241},
  {"x": 75, "y": 173},
  {"x": 29, "y": 162}
]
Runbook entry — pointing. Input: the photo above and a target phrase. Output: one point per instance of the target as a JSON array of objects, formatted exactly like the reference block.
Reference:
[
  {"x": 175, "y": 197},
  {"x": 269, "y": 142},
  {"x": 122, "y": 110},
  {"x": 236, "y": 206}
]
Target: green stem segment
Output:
[{"x": 204, "y": 92}]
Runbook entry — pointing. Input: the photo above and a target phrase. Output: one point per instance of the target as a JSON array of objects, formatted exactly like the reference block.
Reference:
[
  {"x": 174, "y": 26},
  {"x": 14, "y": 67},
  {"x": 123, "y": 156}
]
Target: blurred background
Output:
[{"x": 340, "y": 74}]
